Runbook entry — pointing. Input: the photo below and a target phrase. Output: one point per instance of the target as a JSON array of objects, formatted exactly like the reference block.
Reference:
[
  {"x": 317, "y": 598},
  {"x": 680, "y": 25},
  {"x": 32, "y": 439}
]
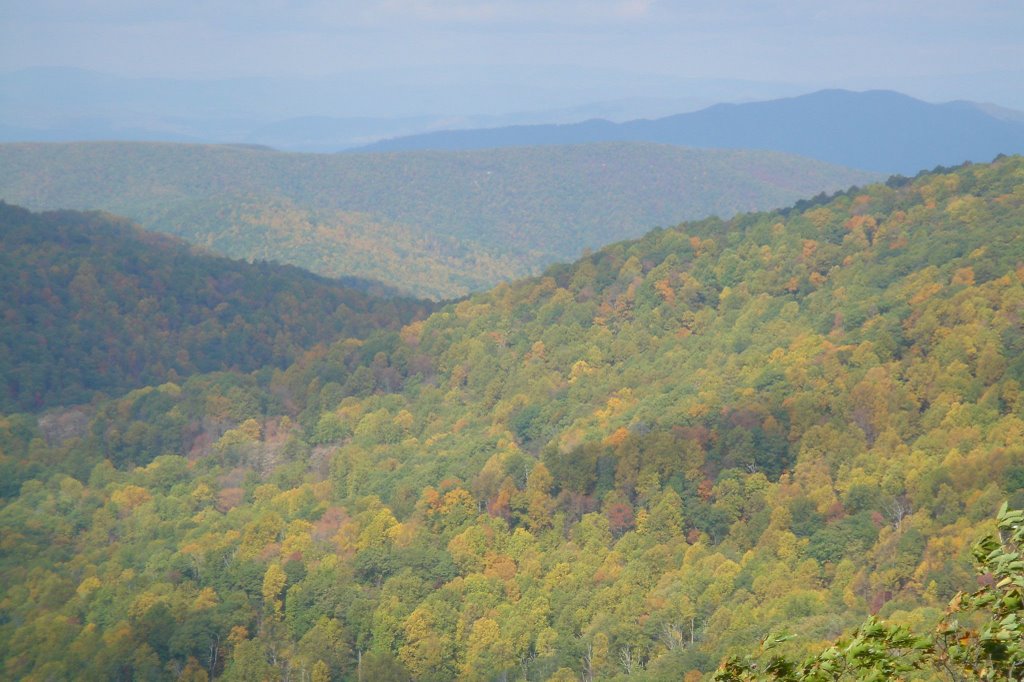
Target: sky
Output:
[{"x": 935, "y": 49}]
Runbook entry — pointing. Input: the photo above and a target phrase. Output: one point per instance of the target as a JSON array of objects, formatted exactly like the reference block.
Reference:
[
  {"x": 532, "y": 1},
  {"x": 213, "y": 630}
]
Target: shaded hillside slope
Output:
[
  {"x": 626, "y": 468},
  {"x": 881, "y": 131},
  {"x": 92, "y": 303},
  {"x": 432, "y": 223}
]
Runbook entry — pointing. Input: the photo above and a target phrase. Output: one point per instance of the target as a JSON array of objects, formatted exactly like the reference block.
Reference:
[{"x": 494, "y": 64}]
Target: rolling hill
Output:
[
  {"x": 436, "y": 224},
  {"x": 625, "y": 468},
  {"x": 92, "y": 303},
  {"x": 881, "y": 131}
]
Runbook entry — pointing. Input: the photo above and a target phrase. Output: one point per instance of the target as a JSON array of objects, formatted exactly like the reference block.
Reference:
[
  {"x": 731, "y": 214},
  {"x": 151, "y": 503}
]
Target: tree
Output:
[
  {"x": 249, "y": 662},
  {"x": 326, "y": 646},
  {"x": 877, "y": 651},
  {"x": 273, "y": 585},
  {"x": 487, "y": 651},
  {"x": 321, "y": 673},
  {"x": 995, "y": 650},
  {"x": 429, "y": 651},
  {"x": 380, "y": 666},
  {"x": 537, "y": 505},
  {"x": 665, "y": 522}
]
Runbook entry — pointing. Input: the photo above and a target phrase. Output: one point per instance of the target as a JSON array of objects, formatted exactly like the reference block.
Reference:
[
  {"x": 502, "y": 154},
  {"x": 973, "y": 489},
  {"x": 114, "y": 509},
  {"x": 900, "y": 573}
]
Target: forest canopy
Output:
[
  {"x": 93, "y": 303},
  {"x": 632, "y": 467},
  {"x": 434, "y": 224}
]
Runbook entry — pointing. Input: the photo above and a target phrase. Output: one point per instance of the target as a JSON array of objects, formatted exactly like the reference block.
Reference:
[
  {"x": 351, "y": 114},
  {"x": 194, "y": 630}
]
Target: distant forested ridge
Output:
[
  {"x": 881, "y": 131},
  {"x": 627, "y": 468},
  {"x": 434, "y": 224},
  {"x": 92, "y": 303}
]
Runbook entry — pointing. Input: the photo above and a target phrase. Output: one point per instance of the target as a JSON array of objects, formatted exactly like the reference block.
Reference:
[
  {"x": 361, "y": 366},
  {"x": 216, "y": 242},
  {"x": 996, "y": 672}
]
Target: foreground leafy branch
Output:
[{"x": 879, "y": 651}]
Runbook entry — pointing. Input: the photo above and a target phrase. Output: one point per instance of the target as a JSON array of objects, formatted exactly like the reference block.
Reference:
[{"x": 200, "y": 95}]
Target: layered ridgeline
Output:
[
  {"x": 627, "y": 468},
  {"x": 92, "y": 303},
  {"x": 877, "y": 130},
  {"x": 435, "y": 224}
]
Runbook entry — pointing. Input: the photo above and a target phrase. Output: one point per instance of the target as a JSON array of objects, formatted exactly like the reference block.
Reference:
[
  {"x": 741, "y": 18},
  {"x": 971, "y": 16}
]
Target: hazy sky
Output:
[{"x": 859, "y": 44}]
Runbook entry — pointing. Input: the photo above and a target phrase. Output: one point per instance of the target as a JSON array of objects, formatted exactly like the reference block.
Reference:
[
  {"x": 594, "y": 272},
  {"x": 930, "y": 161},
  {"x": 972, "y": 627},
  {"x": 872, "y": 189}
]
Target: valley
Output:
[
  {"x": 431, "y": 224},
  {"x": 626, "y": 467}
]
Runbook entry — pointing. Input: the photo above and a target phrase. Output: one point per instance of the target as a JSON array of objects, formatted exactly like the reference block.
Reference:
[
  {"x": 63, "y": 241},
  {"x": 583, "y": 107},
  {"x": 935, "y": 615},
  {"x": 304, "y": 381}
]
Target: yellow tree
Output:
[
  {"x": 429, "y": 651},
  {"x": 273, "y": 585},
  {"x": 537, "y": 498},
  {"x": 487, "y": 652},
  {"x": 321, "y": 673}
]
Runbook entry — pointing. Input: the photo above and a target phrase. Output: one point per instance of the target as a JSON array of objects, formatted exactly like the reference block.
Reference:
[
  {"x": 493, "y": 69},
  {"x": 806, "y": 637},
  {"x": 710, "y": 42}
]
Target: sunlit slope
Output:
[
  {"x": 432, "y": 223},
  {"x": 626, "y": 468},
  {"x": 799, "y": 316}
]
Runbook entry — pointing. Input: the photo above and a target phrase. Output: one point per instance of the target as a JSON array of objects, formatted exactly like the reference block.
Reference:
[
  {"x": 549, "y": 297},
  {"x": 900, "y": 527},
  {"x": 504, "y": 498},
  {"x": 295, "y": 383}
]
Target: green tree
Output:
[
  {"x": 249, "y": 663},
  {"x": 993, "y": 650}
]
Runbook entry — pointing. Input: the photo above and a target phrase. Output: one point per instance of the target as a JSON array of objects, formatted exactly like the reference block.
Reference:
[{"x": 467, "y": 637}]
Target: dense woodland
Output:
[
  {"x": 92, "y": 303},
  {"x": 628, "y": 468},
  {"x": 434, "y": 224}
]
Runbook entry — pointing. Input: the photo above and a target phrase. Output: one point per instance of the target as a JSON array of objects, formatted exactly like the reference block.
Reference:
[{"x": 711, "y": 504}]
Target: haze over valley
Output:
[{"x": 435, "y": 224}]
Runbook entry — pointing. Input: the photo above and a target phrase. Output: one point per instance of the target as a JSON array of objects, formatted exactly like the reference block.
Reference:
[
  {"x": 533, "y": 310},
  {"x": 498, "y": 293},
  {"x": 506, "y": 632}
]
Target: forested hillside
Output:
[
  {"x": 627, "y": 468},
  {"x": 435, "y": 224},
  {"x": 92, "y": 303}
]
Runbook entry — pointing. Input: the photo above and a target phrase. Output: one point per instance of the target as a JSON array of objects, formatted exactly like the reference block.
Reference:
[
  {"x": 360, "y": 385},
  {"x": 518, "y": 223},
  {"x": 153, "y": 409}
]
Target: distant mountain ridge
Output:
[
  {"x": 876, "y": 130},
  {"x": 332, "y": 112},
  {"x": 437, "y": 224}
]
